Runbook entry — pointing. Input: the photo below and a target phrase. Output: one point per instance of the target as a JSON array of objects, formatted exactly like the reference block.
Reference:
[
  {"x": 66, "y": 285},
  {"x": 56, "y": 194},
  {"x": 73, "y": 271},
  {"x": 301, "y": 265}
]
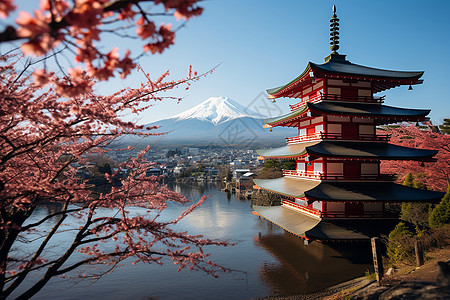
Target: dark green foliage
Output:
[
  {"x": 400, "y": 245},
  {"x": 409, "y": 180},
  {"x": 440, "y": 215},
  {"x": 272, "y": 164},
  {"x": 264, "y": 198},
  {"x": 272, "y": 169},
  {"x": 172, "y": 153},
  {"x": 289, "y": 165},
  {"x": 105, "y": 169},
  {"x": 415, "y": 213},
  {"x": 445, "y": 128}
]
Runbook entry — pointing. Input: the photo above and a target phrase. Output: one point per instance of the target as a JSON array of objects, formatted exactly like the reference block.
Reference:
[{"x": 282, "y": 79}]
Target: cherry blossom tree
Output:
[
  {"x": 80, "y": 26},
  {"x": 435, "y": 175},
  {"x": 51, "y": 120},
  {"x": 44, "y": 140}
]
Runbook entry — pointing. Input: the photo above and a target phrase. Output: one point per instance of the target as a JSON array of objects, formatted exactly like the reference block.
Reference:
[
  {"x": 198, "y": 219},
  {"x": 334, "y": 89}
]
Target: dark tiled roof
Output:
[
  {"x": 288, "y": 219},
  {"x": 385, "y": 79},
  {"x": 353, "y": 109},
  {"x": 379, "y": 150},
  {"x": 347, "y": 191},
  {"x": 344, "y": 67}
]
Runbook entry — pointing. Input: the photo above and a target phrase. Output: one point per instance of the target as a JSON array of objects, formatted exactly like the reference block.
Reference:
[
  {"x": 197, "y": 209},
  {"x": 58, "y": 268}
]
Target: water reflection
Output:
[
  {"x": 301, "y": 268},
  {"x": 274, "y": 262}
]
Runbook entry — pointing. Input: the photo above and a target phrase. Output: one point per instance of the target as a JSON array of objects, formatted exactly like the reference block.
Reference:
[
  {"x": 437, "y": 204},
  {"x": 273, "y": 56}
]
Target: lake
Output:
[{"x": 265, "y": 260}]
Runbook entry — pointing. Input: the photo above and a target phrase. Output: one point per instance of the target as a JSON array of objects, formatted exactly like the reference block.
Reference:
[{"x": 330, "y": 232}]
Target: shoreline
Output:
[{"x": 429, "y": 281}]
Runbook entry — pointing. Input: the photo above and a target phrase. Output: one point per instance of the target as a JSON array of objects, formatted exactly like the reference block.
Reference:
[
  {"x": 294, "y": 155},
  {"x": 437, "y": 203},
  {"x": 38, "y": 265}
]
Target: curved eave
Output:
[
  {"x": 384, "y": 112},
  {"x": 278, "y": 91},
  {"x": 383, "y": 79},
  {"x": 348, "y": 149},
  {"x": 367, "y": 110},
  {"x": 286, "y": 152},
  {"x": 286, "y": 118},
  {"x": 290, "y": 187},
  {"x": 346, "y": 68},
  {"x": 291, "y": 221},
  {"x": 347, "y": 191},
  {"x": 368, "y": 150},
  {"x": 371, "y": 192}
]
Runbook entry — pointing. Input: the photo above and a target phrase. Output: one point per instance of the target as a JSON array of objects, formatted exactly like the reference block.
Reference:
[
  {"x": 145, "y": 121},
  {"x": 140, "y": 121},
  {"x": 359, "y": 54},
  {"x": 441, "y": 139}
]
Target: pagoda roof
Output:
[
  {"x": 348, "y": 149},
  {"x": 344, "y": 67},
  {"x": 351, "y": 229},
  {"x": 300, "y": 224},
  {"x": 339, "y": 68},
  {"x": 351, "y": 109},
  {"x": 288, "y": 219},
  {"x": 337, "y": 191}
]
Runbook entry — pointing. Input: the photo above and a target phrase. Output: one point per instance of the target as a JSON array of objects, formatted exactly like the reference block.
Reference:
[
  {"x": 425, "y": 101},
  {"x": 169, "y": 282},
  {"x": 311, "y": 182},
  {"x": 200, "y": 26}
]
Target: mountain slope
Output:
[
  {"x": 217, "y": 110},
  {"x": 218, "y": 121}
]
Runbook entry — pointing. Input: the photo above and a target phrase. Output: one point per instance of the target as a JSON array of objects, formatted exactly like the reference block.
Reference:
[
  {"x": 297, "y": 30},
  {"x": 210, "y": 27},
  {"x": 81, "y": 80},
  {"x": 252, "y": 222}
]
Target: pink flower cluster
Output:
[{"x": 79, "y": 25}]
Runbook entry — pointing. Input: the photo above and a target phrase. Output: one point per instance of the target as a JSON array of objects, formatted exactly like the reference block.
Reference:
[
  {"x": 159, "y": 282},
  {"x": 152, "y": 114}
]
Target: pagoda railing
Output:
[
  {"x": 336, "y": 136},
  {"x": 303, "y": 138},
  {"x": 363, "y": 214},
  {"x": 304, "y": 209},
  {"x": 362, "y": 137},
  {"x": 303, "y": 174},
  {"x": 362, "y": 177},
  {"x": 338, "y": 176},
  {"x": 332, "y": 97}
]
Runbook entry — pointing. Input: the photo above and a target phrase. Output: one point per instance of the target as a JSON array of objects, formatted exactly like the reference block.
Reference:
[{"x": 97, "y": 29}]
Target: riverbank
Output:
[{"x": 429, "y": 281}]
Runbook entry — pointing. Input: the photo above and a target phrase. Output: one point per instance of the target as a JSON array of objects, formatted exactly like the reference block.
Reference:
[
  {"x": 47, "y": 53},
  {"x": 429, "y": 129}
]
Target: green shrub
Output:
[
  {"x": 440, "y": 215},
  {"x": 400, "y": 247}
]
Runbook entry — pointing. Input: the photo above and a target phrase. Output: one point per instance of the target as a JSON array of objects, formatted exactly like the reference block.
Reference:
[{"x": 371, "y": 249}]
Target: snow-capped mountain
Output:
[
  {"x": 217, "y": 121},
  {"x": 217, "y": 110}
]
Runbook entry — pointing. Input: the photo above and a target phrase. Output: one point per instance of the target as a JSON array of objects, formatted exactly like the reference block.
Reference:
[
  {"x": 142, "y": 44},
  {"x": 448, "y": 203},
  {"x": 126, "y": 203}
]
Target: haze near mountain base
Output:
[{"x": 218, "y": 121}]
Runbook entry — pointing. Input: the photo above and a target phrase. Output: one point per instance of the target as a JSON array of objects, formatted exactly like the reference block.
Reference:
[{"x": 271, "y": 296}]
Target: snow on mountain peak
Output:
[{"x": 217, "y": 110}]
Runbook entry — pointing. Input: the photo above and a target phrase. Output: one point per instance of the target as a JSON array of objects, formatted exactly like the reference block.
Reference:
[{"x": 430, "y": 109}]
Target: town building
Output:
[{"x": 337, "y": 191}]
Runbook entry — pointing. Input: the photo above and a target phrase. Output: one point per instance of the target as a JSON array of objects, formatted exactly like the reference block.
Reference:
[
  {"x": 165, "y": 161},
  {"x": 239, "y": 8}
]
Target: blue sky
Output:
[{"x": 263, "y": 44}]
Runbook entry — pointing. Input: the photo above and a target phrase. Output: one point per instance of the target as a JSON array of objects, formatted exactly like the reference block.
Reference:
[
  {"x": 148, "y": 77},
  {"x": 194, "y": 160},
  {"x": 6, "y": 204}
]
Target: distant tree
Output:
[
  {"x": 445, "y": 127},
  {"x": 416, "y": 213},
  {"x": 409, "y": 180},
  {"x": 172, "y": 153},
  {"x": 272, "y": 169},
  {"x": 289, "y": 165},
  {"x": 105, "y": 169},
  {"x": 272, "y": 164},
  {"x": 434, "y": 175},
  {"x": 440, "y": 215},
  {"x": 265, "y": 198},
  {"x": 225, "y": 173}
]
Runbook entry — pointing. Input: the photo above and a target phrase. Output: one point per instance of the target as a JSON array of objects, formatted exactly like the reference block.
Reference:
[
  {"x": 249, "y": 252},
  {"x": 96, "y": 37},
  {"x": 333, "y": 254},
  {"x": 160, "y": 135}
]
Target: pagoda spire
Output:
[
  {"x": 334, "y": 28},
  {"x": 334, "y": 24}
]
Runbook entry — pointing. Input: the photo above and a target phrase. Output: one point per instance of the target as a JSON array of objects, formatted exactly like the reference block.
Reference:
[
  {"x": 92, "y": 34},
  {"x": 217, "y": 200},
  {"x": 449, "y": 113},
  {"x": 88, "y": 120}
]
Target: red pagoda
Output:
[{"x": 337, "y": 191}]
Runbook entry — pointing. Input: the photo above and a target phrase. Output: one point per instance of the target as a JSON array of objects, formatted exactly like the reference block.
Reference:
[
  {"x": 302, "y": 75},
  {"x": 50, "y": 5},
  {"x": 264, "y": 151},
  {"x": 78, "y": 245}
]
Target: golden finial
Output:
[{"x": 334, "y": 24}]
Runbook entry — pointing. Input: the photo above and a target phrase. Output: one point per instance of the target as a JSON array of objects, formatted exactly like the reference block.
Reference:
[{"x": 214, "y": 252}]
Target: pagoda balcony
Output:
[
  {"x": 303, "y": 174},
  {"x": 338, "y": 176},
  {"x": 360, "y": 137},
  {"x": 303, "y": 138},
  {"x": 332, "y": 97},
  {"x": 366, "y": 177},
  {"x": 304, "y": 209},
  {"x": 336, "y": 136},
  {"x": 363, "y": 215}
]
